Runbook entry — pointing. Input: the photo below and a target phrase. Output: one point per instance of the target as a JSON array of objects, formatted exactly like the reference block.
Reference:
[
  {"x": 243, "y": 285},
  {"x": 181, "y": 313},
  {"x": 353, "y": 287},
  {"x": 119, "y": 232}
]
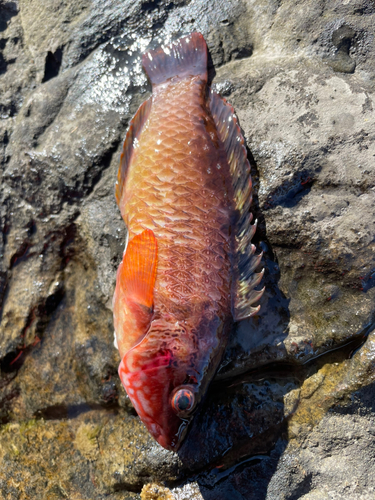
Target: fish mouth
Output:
[{"x": 172, "y": 443}]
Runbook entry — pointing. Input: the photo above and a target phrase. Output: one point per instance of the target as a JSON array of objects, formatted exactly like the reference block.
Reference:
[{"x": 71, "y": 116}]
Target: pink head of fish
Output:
[{"x": 153, "y": 373}]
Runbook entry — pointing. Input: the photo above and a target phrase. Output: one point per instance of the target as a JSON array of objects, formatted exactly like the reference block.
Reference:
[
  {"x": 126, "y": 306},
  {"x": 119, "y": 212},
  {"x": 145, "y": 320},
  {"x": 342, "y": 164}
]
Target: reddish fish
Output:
[{"x": 184, "y": 191}]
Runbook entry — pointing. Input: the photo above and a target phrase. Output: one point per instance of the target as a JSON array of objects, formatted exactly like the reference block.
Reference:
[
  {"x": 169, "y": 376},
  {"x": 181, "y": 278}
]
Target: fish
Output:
[{"x": 188, "y": 271}]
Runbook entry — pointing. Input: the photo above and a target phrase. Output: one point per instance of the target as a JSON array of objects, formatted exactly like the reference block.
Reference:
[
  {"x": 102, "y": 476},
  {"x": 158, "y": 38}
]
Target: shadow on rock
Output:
[
  {"x": 239, "y": 419},
  {"x": 248, "y": 479}
]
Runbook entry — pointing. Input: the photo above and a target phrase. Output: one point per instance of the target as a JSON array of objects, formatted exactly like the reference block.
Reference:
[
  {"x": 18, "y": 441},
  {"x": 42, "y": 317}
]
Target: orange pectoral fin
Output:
[
  {"x": 139, "y": 269},
  {"x": 134, "y": 295}
]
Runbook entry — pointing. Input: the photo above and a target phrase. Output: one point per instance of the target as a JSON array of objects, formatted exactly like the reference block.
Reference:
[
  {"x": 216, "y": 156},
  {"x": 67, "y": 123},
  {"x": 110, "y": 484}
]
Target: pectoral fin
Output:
[
  {"x": 134, "y": 294},
  {"x": 139, "y": 268}
]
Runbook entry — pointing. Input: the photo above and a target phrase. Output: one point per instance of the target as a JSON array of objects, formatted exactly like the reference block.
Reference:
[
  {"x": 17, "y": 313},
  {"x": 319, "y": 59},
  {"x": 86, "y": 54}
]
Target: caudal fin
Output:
[{"x": 185, "y": 57}]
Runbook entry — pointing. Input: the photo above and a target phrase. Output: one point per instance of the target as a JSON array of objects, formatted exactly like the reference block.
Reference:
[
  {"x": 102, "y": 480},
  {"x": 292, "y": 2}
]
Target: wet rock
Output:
[
  {"x": 246, "y": 421},
  {"x": 291, "y": 407}
]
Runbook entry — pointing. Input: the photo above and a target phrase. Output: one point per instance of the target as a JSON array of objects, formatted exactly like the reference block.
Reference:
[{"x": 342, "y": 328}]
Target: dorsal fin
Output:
[
  {"x": 135, "y": 128},
  {"x": 230, "y": 135},
  {"x": 185, "y": 57}
]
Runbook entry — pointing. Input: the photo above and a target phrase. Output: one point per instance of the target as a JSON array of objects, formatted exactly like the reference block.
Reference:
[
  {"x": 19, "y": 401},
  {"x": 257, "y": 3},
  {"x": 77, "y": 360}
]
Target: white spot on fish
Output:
[
  {"x": 136, "y": 406},
  {"x": 130, "y": 359},
  {"x": 137, "y": 384},
  {"x": 144, "y": 402},
  {"x": 154, "y": 428}
]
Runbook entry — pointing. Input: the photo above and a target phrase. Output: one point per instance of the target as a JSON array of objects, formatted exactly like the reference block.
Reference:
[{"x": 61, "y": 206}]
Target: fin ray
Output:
[
  {"x": 139, "y": 269},
  {"x": 135, "y": 128},
  {"x": 185, "y": 57},
  {"x": 231, "y": 137},
  {"x": 134, "y": 294}
]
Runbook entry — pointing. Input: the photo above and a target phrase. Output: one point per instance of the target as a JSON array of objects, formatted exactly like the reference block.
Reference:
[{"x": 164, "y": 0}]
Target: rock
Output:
[
  {"x": 291, "y": 409},
  {"x": 156, "y": 492}
]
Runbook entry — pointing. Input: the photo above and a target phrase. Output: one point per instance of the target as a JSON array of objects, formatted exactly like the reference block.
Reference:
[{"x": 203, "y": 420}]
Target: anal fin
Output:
[{"x": 246, "y": 262}]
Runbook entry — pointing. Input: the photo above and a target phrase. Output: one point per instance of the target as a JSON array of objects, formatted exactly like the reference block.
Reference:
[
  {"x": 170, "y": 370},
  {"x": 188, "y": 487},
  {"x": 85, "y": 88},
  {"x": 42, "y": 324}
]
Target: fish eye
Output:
[{"x": 183, "y": 401}]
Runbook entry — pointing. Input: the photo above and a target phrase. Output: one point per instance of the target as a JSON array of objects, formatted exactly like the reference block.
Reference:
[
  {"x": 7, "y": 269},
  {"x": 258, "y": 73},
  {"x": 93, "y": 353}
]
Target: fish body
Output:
[{"x": 179, "y": 285}]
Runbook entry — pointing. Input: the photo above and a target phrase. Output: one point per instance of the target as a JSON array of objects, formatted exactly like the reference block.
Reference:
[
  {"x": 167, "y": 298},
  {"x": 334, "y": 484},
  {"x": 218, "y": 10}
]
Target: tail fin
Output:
[{"x": 185, "y": 57}]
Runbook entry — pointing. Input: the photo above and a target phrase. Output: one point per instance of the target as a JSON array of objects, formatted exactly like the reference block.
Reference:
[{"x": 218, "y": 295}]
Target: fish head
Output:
[{"x": 161, "y": 381}]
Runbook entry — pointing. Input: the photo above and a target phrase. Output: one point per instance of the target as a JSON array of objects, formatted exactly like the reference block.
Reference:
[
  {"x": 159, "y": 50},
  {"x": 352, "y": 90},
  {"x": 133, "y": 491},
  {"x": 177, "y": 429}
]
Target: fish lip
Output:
[
  {"x": 171, "y": 443},
  {"x": 174, "y": 444}
]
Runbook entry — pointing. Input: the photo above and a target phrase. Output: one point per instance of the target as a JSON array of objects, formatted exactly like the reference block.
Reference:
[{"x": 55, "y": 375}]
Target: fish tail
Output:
[{"x": 185, "y": 57}]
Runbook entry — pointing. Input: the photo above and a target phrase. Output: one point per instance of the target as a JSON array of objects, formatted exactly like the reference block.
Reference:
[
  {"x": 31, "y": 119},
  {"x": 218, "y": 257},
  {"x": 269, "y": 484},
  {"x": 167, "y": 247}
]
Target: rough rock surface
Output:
[{"x": 291, "y": 414}]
